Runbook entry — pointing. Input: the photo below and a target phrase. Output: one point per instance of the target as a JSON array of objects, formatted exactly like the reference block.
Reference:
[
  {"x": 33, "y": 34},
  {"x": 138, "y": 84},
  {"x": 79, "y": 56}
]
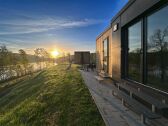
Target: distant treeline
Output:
[{"x": 31, "y": 58}]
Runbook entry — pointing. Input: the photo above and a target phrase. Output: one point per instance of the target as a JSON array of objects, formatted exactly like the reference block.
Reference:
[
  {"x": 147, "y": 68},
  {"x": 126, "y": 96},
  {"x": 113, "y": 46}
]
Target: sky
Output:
[{"x": 65, "y": 25}]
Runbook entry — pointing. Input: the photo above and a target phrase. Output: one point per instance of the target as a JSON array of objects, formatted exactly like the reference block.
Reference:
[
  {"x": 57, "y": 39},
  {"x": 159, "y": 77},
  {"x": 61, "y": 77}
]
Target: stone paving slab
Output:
[{"x": 110, "y": 107}]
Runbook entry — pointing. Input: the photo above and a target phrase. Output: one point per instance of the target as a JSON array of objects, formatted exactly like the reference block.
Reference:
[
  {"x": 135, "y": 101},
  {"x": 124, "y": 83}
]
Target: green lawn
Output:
[{"x": 54, "y": 97}]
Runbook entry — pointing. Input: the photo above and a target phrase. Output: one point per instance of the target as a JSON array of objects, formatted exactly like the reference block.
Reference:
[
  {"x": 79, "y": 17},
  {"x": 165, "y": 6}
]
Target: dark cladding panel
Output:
[
  {"x": 82, "y": 57},
  {"x": 116, "y": 49},
  {"x": 116, "y": 34},
  {"x": 77, "y": 57},
  {"x": 86, "y": 57},
  {"x": 136, "y": 9},
  {"x": 93, "y": 58}
]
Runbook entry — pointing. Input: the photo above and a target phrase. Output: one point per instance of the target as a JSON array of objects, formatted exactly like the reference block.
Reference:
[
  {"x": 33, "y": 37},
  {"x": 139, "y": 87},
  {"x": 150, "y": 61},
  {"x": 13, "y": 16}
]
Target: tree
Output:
[
  {"x": 11, "y": 65},
  {"x": 4, "y": 56},
  {"x": 63, "y": 57},
  {"x": 68, "y": 57},
  {"x": 42, "y": 57},
  {"x": 159, "y": 44},
  {"x": 14, "y": 64},
  {"x": 45, "y": 56},
  {"x": 38, "y": 56},
  {"x": 24, "y": 61},
  {"x": 4, "y": 60}
]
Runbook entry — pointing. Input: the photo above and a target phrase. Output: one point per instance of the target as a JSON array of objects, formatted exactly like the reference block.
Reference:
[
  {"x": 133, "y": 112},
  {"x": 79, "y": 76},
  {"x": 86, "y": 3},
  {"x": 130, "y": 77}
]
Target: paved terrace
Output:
[{"x": 110, "y": 107}]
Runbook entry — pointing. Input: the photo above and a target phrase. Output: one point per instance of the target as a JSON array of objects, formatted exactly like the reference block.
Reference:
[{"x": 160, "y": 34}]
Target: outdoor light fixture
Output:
[{"x": 115, "y": 27}]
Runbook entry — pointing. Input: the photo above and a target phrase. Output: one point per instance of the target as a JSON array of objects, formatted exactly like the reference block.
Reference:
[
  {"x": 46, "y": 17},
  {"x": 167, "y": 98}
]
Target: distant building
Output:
[
  {"x": 93, "y": 58},
  {"x": 82, "y": 57}
]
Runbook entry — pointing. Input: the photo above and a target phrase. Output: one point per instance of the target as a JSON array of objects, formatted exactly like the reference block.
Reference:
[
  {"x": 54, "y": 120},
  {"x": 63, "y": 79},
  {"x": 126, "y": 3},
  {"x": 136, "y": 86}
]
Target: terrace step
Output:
[
  {"x": 103, "y": 74},
  {"x": 99, "y": 78}
]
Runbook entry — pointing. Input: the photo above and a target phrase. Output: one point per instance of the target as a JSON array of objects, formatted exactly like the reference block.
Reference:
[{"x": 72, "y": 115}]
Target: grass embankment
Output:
[{"x": 52, "y": 97}]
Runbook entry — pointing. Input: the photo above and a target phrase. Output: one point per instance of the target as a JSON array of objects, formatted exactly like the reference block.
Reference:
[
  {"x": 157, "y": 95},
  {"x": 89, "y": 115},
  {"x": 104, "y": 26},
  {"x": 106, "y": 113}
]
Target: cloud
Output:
[{"x": 25, "y": 25}]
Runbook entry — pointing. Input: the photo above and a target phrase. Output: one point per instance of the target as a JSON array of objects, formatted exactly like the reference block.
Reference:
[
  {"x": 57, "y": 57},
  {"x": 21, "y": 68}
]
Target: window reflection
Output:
[
  {"x": 157, "y": 49},
  {"x": 134, "y": 52}
]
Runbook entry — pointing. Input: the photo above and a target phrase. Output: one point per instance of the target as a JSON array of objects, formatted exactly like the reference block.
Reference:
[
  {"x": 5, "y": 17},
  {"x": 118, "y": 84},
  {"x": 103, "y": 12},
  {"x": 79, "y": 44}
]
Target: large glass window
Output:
[
  {"x": 105, "y": 55},
  {"x": 134, "y": 52},
  {"x": 157, "y": 49},
  {"x": 152, "y": 64}
]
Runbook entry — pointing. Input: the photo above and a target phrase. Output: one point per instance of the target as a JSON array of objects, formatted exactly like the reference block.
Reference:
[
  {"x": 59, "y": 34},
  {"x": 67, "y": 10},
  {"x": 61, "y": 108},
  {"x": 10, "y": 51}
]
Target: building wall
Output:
[
  {"x": 124, "y": 17},
  {"x": 99, "y": 54},
  {"x": 99, "y": 50},
  {"x": 116, "y": 50},
  {"x": 135, "y": 9}
]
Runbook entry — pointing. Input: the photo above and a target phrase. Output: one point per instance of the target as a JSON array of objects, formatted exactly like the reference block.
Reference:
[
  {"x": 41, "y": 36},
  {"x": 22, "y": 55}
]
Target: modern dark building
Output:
[
  {"x": 134, "y": 49},
  {"x": 93, "y": 58},
  {"x": 82, "y": 57}
]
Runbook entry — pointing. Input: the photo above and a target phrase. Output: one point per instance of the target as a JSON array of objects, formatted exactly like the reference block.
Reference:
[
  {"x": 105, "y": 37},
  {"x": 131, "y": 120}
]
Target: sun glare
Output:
[{"x": 54, "y": 53}]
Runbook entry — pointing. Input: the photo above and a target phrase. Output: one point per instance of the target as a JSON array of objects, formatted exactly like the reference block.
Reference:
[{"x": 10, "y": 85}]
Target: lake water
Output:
[{"x": 35, "y": 67}]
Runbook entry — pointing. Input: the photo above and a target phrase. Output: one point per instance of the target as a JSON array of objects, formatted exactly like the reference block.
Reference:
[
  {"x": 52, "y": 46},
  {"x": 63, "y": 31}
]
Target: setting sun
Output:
[{"x": 54, "y": 53}]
